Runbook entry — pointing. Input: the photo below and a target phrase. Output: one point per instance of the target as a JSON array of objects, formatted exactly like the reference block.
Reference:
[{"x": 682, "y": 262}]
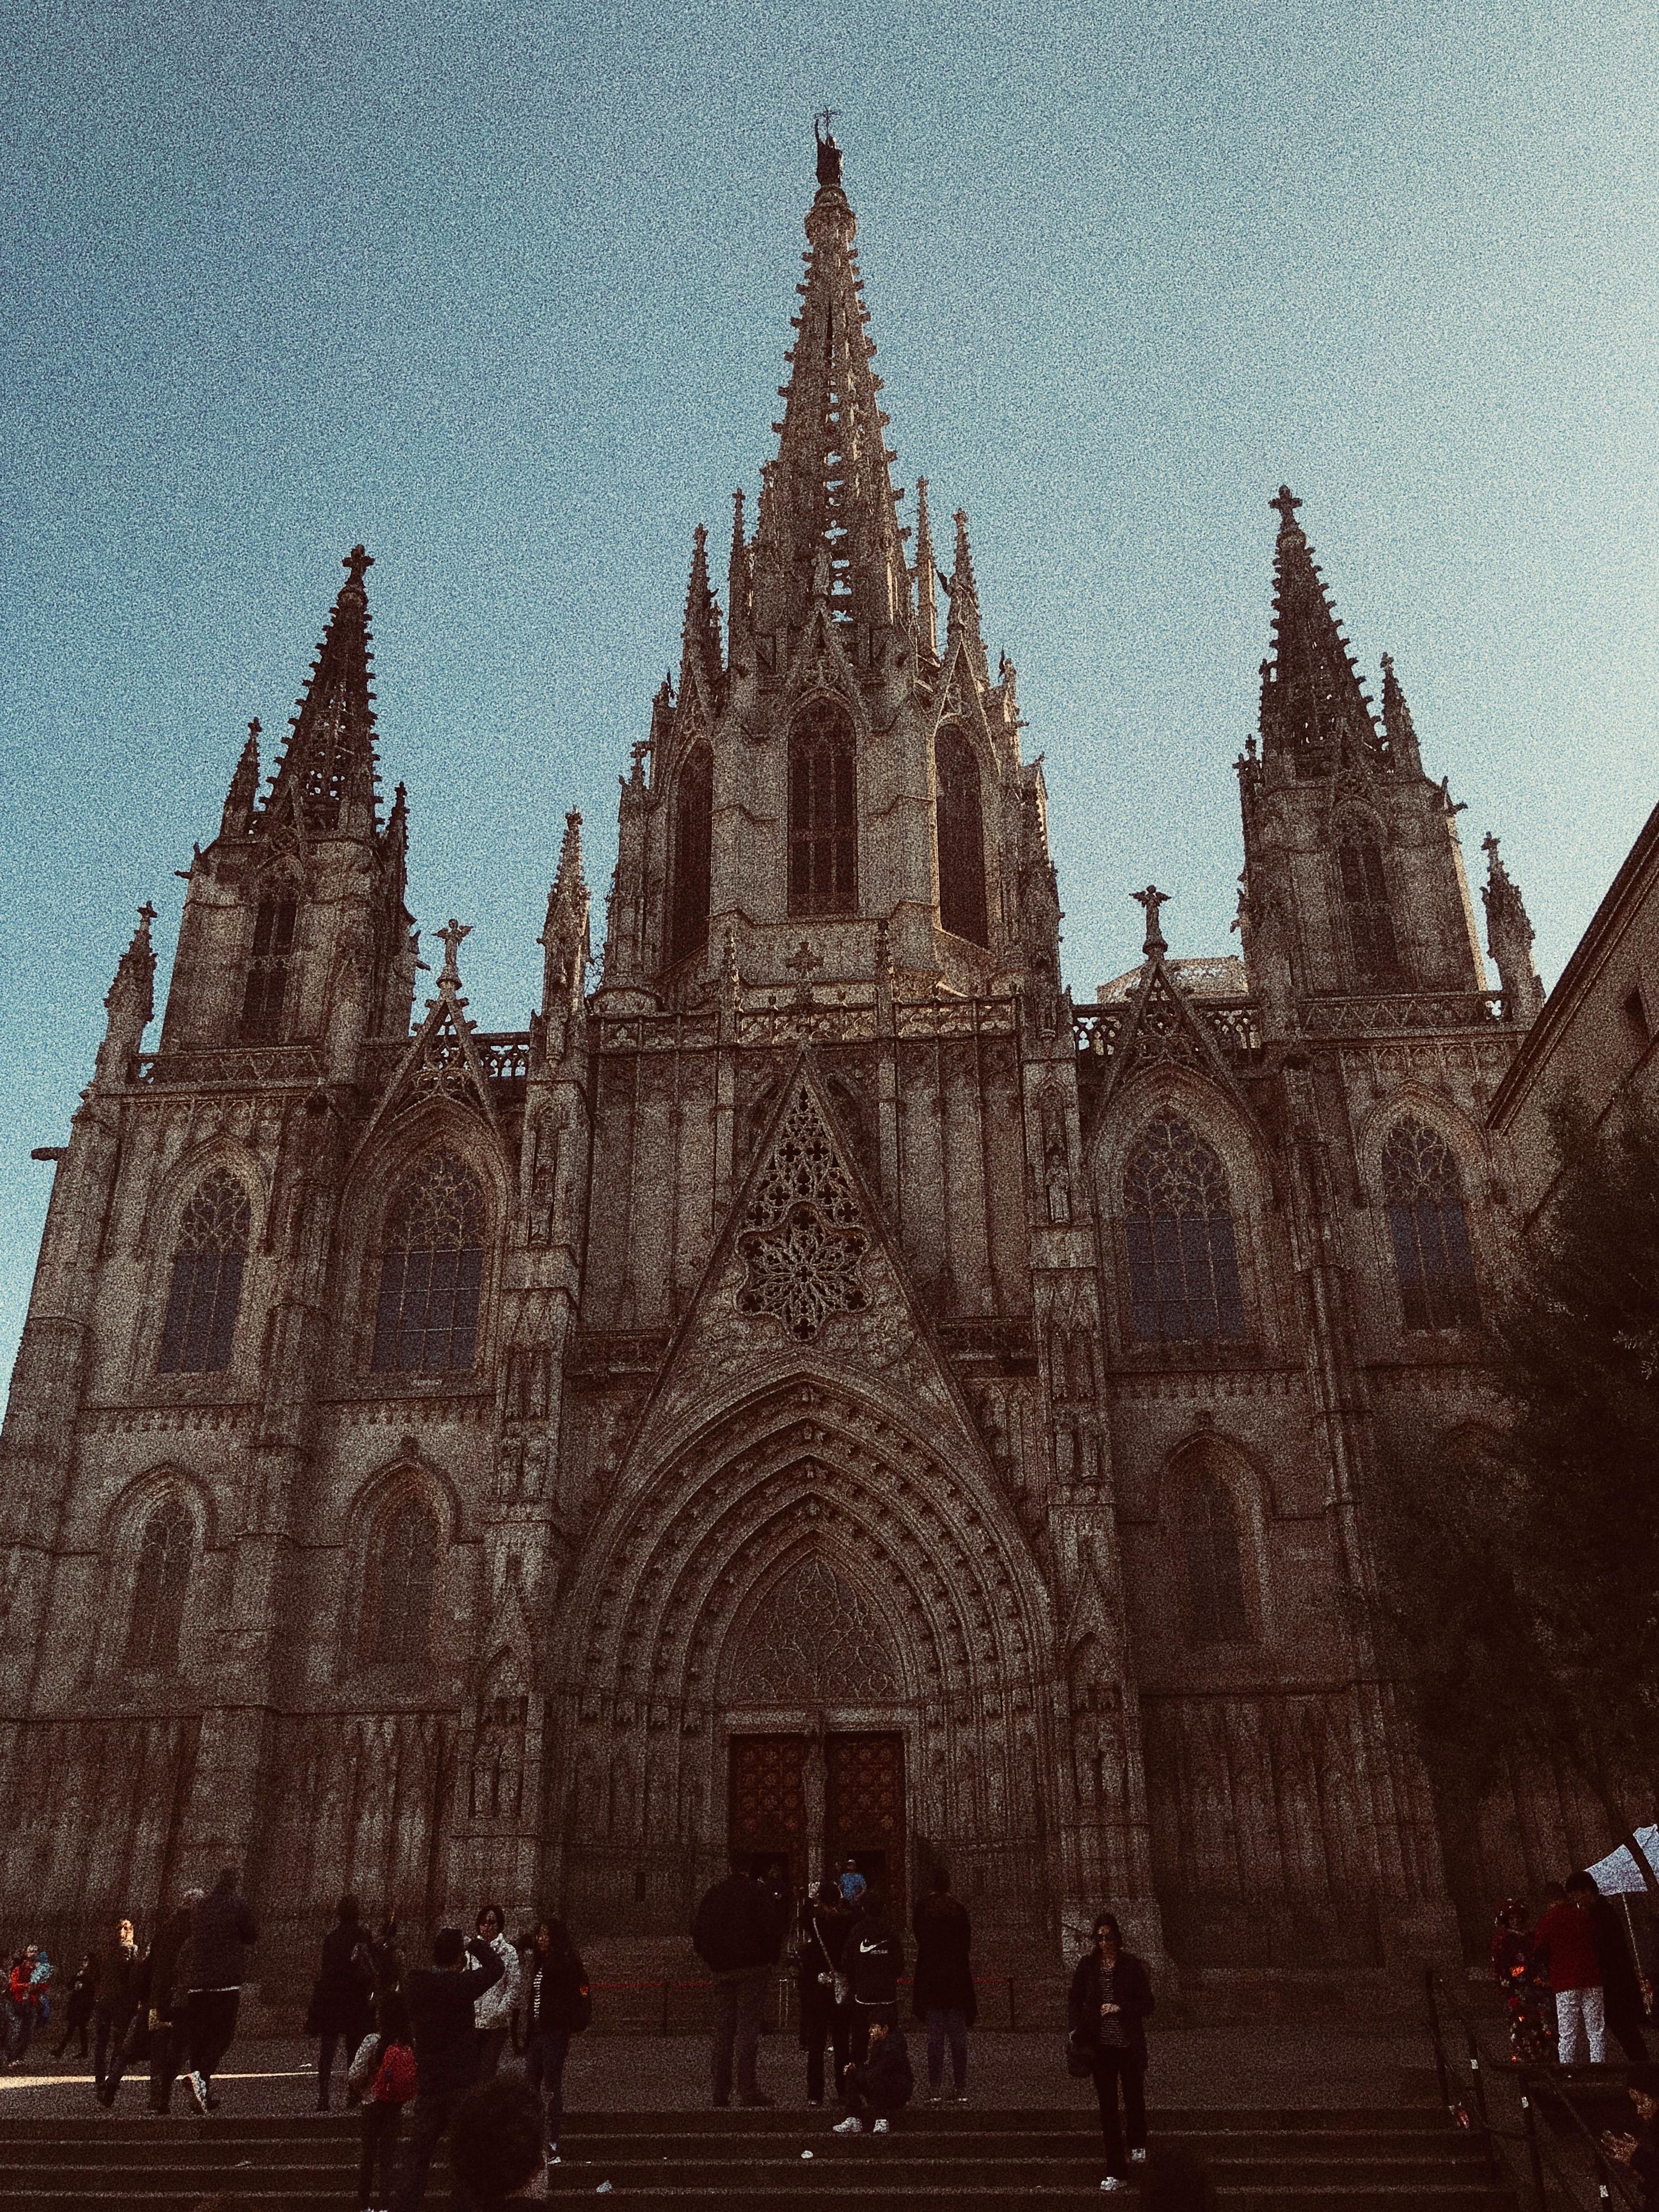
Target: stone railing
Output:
[
  {"x": 1234, "y": 1023},
  {"x": 780, "y": 1018},
  {"x": 1399, "y": 1013},
  {"x": 226, "y": 1067}
]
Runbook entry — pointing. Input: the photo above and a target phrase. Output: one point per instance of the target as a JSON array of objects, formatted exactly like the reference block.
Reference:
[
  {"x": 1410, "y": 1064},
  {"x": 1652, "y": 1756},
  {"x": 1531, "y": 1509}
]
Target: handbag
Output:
[
  {"x": 835, "y": 1982},
  {"x": 1079, "y": 2059}
]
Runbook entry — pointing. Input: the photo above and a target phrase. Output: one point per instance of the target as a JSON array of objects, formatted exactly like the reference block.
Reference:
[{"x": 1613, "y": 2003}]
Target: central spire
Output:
[{"x": 829, "y": 522}]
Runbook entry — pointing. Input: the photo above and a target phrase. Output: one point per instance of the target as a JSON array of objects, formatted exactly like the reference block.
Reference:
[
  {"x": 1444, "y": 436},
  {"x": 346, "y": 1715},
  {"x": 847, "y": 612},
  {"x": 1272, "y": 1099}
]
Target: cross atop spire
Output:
[
  {"x": 829, "y": 493},
  {"x": 327, "y": 771},
  {"x": 1313, "y": 710}
]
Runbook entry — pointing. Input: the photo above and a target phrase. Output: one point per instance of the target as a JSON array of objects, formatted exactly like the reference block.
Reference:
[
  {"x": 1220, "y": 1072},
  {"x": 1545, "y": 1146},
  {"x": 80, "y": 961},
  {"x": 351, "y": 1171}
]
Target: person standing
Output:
[
  {"x": 1107, "y": 2010},
  {"x": 78, "y": 2011},
  {"x": 25, "y": 1995},
  {"x": 342, "y": 2003},
  {"x": 853, "y": 1884},
  {"x": 383, "y": 2075},
  {"x": 114, "y": 2009},
  {"x": 493, "y": 2015},
  {"x": 441, "y": 1997},
  {"x": 943, "y": 1993},
  {"x": 1621, "y": 1979},
  {"x": 220, "y": 1933},
  {"x": 1566, "y": 1939},
  {"x": 873, "y": 1961},
  {"x": 735, "y": 1934},
  {"x": 820, "y": 1968},
  {"x": 167, "y": 1974},
  {"x": 558, "y": 2004}
]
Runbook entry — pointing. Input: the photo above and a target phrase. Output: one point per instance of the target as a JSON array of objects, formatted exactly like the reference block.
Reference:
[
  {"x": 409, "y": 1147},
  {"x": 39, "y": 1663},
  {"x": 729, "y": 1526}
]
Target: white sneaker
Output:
[
  {"x": 879, "y": 2129},
  {"x": 1138, "y": 2157},
  {"x": 196, "y": 2090},
  {"x": 1112, "y": 2182},
  {"x": 851, "y": 2125}
]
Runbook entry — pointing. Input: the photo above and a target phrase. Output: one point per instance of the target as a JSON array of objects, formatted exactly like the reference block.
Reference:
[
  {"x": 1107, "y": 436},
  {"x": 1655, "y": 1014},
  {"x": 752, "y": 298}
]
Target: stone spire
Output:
[
  {"x": 1313, "y": 710},
  {"x": 700, "y": 633},
  {"x": 326, "y": 778},
  {"x": 1509, "y": 938},
  {"x": 740, "y": 584},
  {"x": 926, "y": 578},
  {"x": 1397, "y": 725},
  {"x": 129, "y": 1004},
  {"x": 243, "y": 796},
  {"x": 564, "y": 938},
  {"x": 962, "y": 621},
  {"x": 829, "y": 517}
]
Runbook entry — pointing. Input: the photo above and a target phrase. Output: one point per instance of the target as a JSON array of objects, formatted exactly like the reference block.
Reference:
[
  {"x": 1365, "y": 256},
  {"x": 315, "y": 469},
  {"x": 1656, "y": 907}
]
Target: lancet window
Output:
[
  {"x": 1430, "y": 1229},
  {"x": 431, "y": 1270},
  {"x": 403, "y": 1570},
  {"x": 1365, "y": 901},
  {"x": 694, "y": 798},
  {"x": 960, "y": 830},
  {"x": 159, "y": 1587},
  {"x": 823, "y": 813},
  {"x": 206, "y": 1282},
  {"x": 266, "y": 988},
  {"x": 1216, "y": 1610},
  {"x": 1183, "y": 1262}
]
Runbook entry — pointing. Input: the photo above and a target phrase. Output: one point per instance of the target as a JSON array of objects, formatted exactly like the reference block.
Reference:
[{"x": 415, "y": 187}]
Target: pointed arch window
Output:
[
  {"x": 159, "y": 1588},
  {"x": 403, "y": 1571},
  {"x": 266, "y": 988},
  {"x": 1216, "y": 1608},
  {"x": 1183, "y": 1262},
  {"x": 823, "y": 813},
  {"x": 431, "y": 1268},
  {"x": 694, "y": 804},
  {"x": 1430, "y": 1229},
  {"x": 960, "y": 830},
  {"x": 206, "y": 1282},
  {"x": 1366, "y": 901}
]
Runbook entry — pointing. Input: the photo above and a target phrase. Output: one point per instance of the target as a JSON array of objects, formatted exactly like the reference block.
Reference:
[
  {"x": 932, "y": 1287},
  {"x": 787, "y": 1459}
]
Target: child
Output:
[{"x": 383, "y": 2075}]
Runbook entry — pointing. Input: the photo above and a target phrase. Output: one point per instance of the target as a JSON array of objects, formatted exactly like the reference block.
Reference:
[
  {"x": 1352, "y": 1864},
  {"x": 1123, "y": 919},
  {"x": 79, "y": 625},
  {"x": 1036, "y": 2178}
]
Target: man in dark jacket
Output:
[
  {"x": 943, "y": 1993},
  {"x": 165, "y": 1973},
  {"x": 1621, "y": 1982},
  {"x": 220, "y": 1933},
  {"x": 872, "y": 1959},
  {"x": 735, "y": 1934},
  {"x": 1107, "y": 2010},
  {"x": 440, "y": 2001},
  {"x": 113, "y": 2007},
  {"x": 878, "y": 2087}
]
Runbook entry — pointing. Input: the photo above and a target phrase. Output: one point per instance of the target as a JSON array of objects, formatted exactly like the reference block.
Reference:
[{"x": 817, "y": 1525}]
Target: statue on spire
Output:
[
  {"x": 828, "y": 151},
  {"x": 1150, "y": 900}
]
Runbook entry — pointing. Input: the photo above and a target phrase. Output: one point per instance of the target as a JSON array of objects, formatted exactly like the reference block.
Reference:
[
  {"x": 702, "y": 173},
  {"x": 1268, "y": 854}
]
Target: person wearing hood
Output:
[
  {"x": 492, "y": 2015},
  {"x": 221, "y": 1930},
  {"x": 872, "y": 1960}
]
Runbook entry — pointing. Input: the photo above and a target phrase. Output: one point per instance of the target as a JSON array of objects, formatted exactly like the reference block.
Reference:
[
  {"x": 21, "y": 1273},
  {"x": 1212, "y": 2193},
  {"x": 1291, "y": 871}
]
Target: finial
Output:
[
  {"x": 450, "y": 937},
  {"x": 828, "y": 151},
  {"x": 253, "y": 729},
  {"x": 357, "y": 562},
  {"x": 1284, "y": 507},
  {"x": 1152, "y": 899},
  {"x": 146, "y": 914}
]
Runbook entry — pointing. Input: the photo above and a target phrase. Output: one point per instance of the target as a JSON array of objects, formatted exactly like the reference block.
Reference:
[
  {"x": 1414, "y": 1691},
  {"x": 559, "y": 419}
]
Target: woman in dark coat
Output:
[
  {"x": 1111, "y": 1996},
  {"x": 942, "y": 1993},
  {"x": 342, "y": 2003},
  {"x": 825, "y": 1922},
  {"x": 558, "y": 2000}
]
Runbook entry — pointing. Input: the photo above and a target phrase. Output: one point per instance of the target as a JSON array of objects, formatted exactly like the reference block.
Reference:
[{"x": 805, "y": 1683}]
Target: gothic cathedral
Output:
[{"x": 817, "y": 1391}]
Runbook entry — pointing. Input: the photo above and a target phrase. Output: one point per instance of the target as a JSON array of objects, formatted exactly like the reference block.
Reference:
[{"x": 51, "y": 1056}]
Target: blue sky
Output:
[{"x": 504, "y": 291}]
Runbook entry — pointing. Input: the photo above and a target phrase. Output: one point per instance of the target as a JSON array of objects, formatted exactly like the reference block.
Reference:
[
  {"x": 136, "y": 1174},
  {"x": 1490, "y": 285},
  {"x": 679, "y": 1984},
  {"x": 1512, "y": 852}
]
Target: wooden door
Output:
[
  {"x": 866, "y": 1812},
  {"x": 768, "y": 1806}
]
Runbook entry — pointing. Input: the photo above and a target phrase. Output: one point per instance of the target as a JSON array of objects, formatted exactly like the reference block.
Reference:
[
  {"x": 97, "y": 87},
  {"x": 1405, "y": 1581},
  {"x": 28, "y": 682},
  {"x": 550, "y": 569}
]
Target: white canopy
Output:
[{"x": 1619, "y": 1873}]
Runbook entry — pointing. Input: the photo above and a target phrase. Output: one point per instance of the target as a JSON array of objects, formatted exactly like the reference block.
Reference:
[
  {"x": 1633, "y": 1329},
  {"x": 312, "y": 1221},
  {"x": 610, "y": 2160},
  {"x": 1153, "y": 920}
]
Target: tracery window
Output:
[
  {"x": 267, "y": 970},
  {"x": 1183, "y": 1263},
  {"x": 206, "y": 1282},
  {"x": 694, "y": 799},
  {"x": 960, "y": 830},
  {"x": 431, "y": 1268},
  {"x": 1365, "y": 900},
  {"x": 159, "y": 1587},
  {"x": 823, "y": 813},
  {"x": 1216, "y": 1610},
  {"x": 402, "y": 1572},
  {"x": 1430, "y": 1229}
]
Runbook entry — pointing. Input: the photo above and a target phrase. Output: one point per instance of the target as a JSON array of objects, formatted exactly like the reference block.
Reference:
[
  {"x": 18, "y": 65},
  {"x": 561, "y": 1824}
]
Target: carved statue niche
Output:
[
  {"x": 1056, "y": 1165},
  {"x": 1096, "y": 1727},
  {"x": 497, "y": 1779}
]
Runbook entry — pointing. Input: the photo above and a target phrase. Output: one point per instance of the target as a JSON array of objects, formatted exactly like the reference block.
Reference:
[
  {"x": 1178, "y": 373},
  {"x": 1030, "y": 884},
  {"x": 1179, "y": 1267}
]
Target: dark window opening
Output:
[
  {"x": 158, "y": 1590},
  {"x": 1216, "y": 1611},
  {"x": 1430, "y": 1229},
  {"x": 431, "y": 1271},
  {"x": 823, "y": 813},
  {"x": 1371, "y": 919},
  {"x": 960, "y": 828},
  {"x": 694, "y": 801},
  {"x": 1183, "y": 1262},
  {"x": 267, "y": 973},
  {"x": 206, "y": 1284},
  {"x": 405, "y": 1570}
]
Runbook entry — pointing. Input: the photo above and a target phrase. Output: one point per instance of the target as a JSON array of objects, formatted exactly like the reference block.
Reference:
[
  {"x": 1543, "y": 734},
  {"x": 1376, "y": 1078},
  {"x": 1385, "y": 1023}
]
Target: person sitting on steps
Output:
[{"x": 881, "y": 2086}]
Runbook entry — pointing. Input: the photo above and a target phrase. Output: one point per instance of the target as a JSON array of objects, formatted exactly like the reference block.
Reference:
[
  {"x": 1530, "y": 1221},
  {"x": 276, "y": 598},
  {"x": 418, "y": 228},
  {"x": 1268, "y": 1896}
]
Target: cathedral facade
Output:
[{"x": 817, "y": 1391}]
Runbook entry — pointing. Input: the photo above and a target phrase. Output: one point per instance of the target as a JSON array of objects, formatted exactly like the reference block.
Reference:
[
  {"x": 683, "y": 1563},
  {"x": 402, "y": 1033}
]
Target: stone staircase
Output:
[{"x": 1395, "y": 2161}]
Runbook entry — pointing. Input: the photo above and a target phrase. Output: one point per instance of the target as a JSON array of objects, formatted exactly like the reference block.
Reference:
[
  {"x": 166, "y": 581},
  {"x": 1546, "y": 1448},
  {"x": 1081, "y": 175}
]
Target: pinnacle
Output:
[
  {"x": 568, "y": 879},
  {"x": 701, "y": 631},
  {"x": 1312, "y": 706},
  {"x": 327, "y": 772}
]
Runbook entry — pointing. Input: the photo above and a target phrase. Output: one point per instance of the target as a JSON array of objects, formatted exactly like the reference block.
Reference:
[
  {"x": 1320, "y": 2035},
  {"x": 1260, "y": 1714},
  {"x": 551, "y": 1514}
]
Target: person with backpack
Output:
[
  {"x": 558, "y": 2004},
  {"x": 383, "y": 2075},
  {"x": 735, "y": 1935},
  {"x": 342, "y": 2009},
  {"x": 446, "y": 2054},
  {"x": 1107, "y": 2009},
  {"x": 873, "y": 1961},
  {"x": 820, "y": 1966},
  {"x": 943, "y": 1994}
]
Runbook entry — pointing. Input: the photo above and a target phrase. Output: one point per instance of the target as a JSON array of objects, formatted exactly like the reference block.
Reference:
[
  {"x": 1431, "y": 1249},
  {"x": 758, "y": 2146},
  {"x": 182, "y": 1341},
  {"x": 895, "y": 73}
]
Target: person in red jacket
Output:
[{"x": 1565, "y": 1939}]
